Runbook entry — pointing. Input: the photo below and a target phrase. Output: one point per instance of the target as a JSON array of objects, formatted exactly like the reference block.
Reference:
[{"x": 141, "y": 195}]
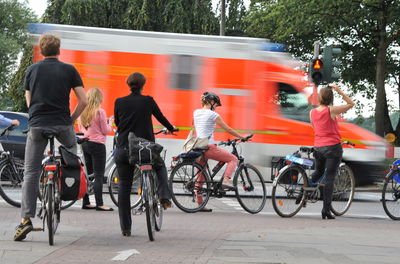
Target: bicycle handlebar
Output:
[
  {"x": 234, "y": 141},
  {"x": 9, "y": 128},
  {"x": 165, "y": 131},
  {"x": 312, "y": 149},
  {"x": 348, "y": 143}
]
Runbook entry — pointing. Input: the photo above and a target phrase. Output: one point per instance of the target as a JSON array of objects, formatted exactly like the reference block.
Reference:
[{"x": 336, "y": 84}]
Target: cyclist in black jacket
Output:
[{"x": 133, "y": 114}]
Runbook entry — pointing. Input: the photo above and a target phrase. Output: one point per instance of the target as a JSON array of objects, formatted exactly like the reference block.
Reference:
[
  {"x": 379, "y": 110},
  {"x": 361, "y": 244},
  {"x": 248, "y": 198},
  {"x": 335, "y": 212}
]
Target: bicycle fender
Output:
[{"x": 279, "y": 174}]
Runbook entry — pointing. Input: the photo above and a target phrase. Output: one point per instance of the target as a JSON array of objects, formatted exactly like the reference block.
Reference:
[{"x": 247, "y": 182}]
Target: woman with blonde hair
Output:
[{"x": 95, "y": 126}]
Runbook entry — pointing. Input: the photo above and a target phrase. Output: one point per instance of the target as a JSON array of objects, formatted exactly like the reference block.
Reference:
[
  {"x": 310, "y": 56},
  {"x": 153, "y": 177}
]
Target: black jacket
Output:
[{"x": 133, "y": 113}]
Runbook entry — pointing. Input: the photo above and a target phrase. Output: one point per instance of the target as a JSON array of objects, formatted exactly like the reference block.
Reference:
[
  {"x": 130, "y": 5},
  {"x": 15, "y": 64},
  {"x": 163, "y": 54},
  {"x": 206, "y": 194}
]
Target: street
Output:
[{"x": 227, "y": 235}]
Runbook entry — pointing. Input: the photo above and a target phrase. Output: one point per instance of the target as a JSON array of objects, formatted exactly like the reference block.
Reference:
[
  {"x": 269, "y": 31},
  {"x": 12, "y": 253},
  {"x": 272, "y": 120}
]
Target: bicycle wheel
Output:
[
  {"x": 51, "y": 214},
  {"x": 11, "y": 180},
  {"x": 42, "y": 183},
  {"x": 136, "y": 190},
  {"x": 391, "y": 195},
  {"x": 148, "y": 189},
  {"x": 190, "y": 192},
  {"x": 343, "y": 190},
  {"x": 250, "y": 188},
  {"x": 159, "y": 213},
  {"x": 288, "y": 196}
]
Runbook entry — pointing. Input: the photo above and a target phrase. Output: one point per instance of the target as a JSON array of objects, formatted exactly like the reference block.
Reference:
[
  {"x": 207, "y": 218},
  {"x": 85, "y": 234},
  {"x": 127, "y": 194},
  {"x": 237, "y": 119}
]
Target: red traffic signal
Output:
[
  {"x": 317, "y": 71},
  {"x": 317, "y": 64}
]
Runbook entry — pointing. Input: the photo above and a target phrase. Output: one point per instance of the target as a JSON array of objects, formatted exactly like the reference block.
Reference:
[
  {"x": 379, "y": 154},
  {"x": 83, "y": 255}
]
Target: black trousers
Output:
[
  {"x": 125, "y": 172},
  {"x": 95, "y": 159},
  {"x": 327, "y": 161}
]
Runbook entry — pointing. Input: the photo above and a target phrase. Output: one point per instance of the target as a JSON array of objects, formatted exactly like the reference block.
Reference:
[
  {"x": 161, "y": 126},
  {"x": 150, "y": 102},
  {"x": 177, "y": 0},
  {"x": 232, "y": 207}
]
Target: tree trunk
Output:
[
  {"x": 397, "y": 131},
  {"x": 382, "y": 120}
]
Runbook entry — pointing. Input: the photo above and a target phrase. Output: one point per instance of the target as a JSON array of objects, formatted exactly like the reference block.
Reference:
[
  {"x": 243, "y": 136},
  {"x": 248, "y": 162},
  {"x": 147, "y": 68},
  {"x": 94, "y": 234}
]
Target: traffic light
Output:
[
  {"x": 329, "y": 64},
  {"x": 317, "y": 71}
]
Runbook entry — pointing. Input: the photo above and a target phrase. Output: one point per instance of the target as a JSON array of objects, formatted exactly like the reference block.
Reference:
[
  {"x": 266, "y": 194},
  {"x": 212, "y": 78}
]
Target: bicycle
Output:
[
  {"x": 149, "y": 201},
  {"x": 292, "y": 188},
  {"x": 113, "y": 178},
  {"x": 49, "y": 189},
  {"x": 184, "y": 183},
  {"x": 391, "y": 191},
  {"x": 11, "y": 174}
]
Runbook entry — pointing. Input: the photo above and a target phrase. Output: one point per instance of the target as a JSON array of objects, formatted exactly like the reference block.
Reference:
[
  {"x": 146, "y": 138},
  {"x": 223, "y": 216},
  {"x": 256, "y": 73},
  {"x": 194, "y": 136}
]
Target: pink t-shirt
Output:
[
  {"x": 98, "y": 129},
  {"x": 325, "y": 128}
]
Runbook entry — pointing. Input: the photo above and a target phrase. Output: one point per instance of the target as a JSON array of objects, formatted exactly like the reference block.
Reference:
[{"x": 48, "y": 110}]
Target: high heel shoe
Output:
[{"x": 327, "y": 214}]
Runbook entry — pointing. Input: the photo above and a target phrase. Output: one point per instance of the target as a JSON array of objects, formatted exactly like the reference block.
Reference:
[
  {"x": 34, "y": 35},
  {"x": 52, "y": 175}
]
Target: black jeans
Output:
[
  {"x": 125, "y": 172},
  {"x": 327, "y": 161},
  {"x": 95, "y": 159}
]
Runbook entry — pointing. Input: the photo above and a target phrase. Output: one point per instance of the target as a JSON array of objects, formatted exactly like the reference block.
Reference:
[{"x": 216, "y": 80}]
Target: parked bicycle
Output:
[
  {"x": 49, "y": 189},
  {"x": 391, "y": 191},
  {"x": 292, "y": 188},
  {"x": 185, "y": 182},
  {"x": 11, "y": 174}
]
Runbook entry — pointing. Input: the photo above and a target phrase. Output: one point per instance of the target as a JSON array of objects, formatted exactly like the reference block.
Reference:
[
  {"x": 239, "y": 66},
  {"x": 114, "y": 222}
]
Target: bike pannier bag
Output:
[
  {"x": 142, "y": 150},
  {"x": 73, "y": 178}
]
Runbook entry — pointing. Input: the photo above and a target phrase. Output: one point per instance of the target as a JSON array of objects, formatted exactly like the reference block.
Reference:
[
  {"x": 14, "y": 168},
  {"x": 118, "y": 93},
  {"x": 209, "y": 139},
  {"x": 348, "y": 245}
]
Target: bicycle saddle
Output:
[
  {"x": 49, "y": 134},
  {"x": 81, "y": 140},
  {"x": 200, "y": 149},
  {"x": 307, "y": 149}
]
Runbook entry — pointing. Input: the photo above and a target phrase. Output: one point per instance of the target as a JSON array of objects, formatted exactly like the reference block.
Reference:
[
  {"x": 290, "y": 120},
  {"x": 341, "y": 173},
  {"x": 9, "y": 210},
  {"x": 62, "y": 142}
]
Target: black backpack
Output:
[{"x": 142, "y": 150}]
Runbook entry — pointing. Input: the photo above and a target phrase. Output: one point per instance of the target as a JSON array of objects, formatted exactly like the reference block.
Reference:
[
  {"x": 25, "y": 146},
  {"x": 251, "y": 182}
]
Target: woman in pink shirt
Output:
[
  {"x": 95, "y": 126},
  {"x": 328, "y": 148}
]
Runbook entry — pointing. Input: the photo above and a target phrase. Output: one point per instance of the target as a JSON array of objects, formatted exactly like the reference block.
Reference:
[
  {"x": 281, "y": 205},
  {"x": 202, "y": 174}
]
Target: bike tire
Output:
[
  {"x": 288, "y": 189},
  {"x": 112, "y": 183},
  {"x": 159, "y": 215},
  {"x": 11, "y": 182},
  {"x": 50, "y": 212},
  {"x": 343, "y": 190},
  {"x": 250, "y": 188},
  {"x": 149, "y": 205},
  {"x": 391, "y": 195},
  {"x": 182, "y": 183},
  {"x": 64, "y": 204}
]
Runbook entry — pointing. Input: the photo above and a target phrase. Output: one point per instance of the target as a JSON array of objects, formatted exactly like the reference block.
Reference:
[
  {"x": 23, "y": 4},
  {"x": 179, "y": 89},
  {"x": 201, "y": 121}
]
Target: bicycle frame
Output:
[{"x": 215, "y": 184}]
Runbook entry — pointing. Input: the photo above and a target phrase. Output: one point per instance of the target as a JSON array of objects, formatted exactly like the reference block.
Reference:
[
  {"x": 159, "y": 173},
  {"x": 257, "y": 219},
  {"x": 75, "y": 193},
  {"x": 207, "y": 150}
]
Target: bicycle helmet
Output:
[{"x": 208, "y": 97}]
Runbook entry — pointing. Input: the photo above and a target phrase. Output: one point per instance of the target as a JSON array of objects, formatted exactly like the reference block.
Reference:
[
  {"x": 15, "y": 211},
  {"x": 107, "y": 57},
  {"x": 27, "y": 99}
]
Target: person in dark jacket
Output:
[{"x": 133, "y": 113}]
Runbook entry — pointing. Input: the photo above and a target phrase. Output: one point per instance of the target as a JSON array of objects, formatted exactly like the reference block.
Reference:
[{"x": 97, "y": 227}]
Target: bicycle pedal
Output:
[
  {"x": 35, "y": 229},
  {"x": 137, "y": 211}
]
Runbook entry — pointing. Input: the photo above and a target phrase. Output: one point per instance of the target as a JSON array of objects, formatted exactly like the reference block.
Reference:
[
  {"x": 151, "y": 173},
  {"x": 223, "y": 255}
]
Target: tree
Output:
[
  {"x": 366, "y": 30},
  {"x": 13, "y": 36}
]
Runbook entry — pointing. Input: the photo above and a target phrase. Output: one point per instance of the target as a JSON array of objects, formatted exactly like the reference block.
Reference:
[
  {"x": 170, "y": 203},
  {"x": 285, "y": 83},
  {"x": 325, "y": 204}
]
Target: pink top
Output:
[
  {"x": 98, "y": 129},
  {"x": 325, "y": 128}
]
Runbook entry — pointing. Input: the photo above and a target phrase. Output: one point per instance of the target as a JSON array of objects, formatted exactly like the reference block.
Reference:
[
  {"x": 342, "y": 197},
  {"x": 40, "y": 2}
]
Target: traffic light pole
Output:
[{"x": 317, "y": 45}]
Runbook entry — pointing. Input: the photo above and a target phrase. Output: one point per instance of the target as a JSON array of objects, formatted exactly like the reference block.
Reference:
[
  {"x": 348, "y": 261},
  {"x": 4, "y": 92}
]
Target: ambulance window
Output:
[
  {"x": 294, "y": 105},
  {"x": 185, "y": 72}
]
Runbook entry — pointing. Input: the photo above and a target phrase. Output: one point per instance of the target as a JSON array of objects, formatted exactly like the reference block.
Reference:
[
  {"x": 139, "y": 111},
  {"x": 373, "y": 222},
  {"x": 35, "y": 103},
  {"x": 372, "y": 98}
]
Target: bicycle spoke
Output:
[
  {"x": 343, "y": 190},
  {"x": 11, "y": 179},
  {"x": 287, "y": 195},
  {"x": 391, "y": 196},
  {"x": 190, "y": 192},
  {"x": 250, "y": 188}
]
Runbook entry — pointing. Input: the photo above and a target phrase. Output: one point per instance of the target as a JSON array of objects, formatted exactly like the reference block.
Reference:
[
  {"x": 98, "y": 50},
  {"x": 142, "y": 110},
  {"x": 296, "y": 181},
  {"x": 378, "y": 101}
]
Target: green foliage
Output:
[
  {"x": 13, "y": 35},
  {"x": 16, "y": 92}
]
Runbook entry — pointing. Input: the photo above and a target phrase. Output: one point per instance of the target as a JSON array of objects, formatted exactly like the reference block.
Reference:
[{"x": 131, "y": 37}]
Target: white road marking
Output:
[
  {"x": 348, "y": 215},
  {"x": 231, "y": 203},
  {"x": 124, "y": 255}
]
